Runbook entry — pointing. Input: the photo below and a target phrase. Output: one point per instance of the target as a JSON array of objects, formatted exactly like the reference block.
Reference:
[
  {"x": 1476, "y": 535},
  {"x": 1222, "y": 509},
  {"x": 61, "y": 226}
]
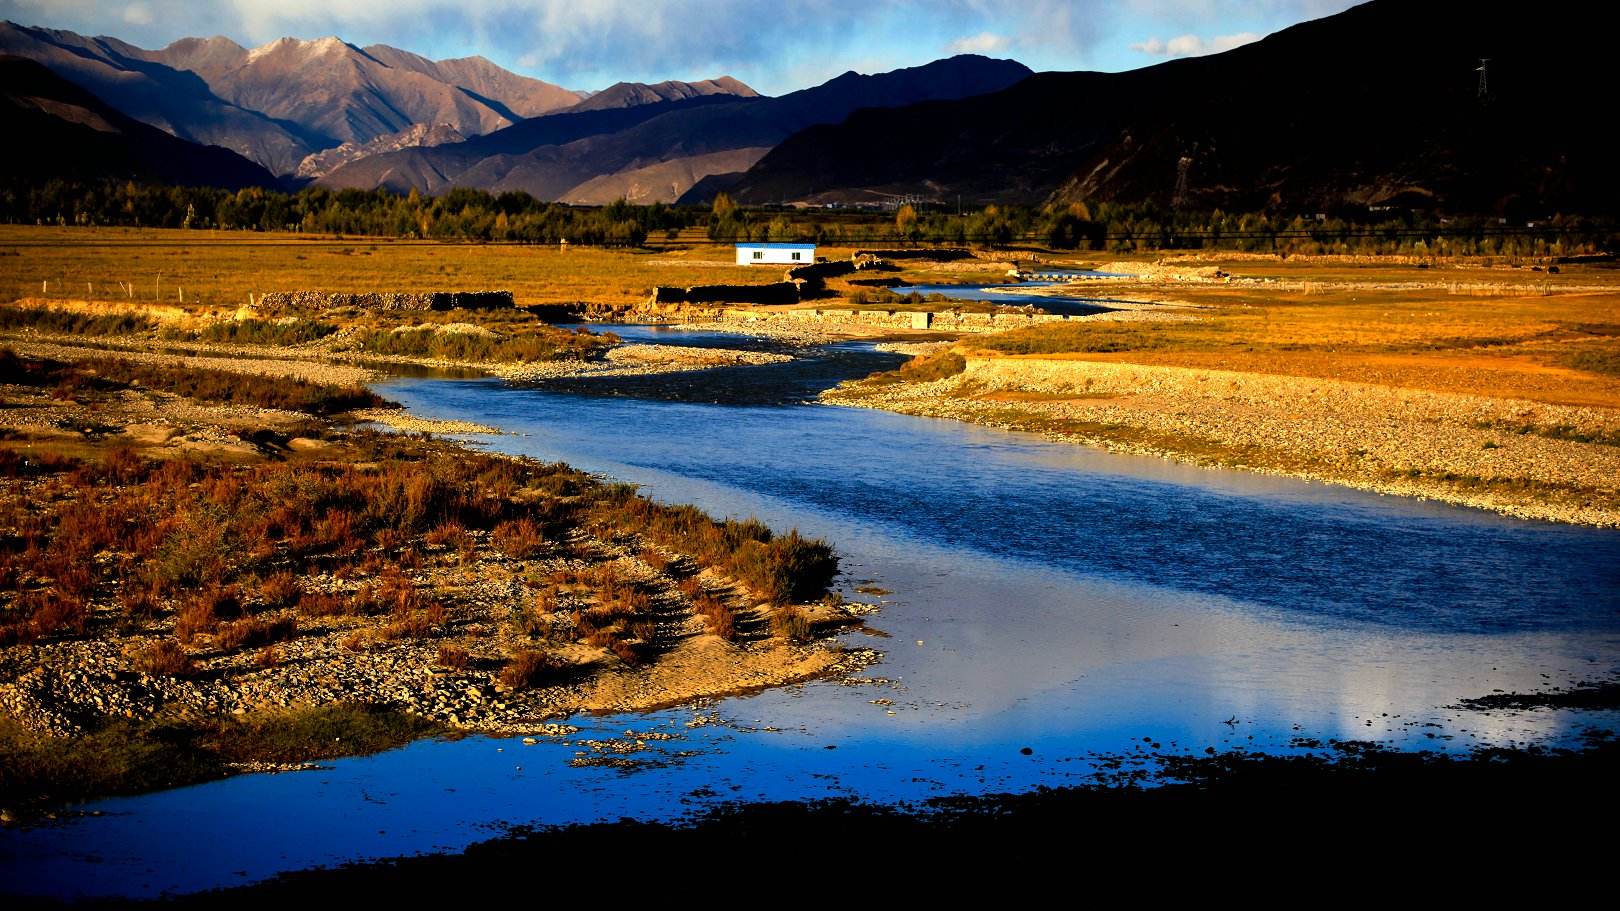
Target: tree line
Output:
[
  {"x": 477, "y": 215},
  {"x": 1126, "y": 227},
  {"x": 460, "y": 214}
]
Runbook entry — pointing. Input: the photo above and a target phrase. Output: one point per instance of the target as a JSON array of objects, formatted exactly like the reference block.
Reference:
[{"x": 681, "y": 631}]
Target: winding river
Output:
[{"x": 1045, "y": 598}]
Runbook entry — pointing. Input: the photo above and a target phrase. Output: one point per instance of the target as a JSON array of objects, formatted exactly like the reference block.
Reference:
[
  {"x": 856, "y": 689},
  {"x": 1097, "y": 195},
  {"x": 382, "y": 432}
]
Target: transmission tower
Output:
[
  {"x": 1484, "y": 87},
  {"x": 1182, "y": 167}
]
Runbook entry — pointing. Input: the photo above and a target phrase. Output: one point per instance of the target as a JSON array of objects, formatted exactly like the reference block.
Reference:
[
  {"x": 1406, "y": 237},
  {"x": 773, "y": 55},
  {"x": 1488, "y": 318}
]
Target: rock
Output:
[{"x": 150, "y": 434}]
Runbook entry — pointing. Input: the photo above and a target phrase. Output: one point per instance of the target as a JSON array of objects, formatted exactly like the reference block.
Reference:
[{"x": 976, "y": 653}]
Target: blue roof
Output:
[{"x": 781, "y": 246}]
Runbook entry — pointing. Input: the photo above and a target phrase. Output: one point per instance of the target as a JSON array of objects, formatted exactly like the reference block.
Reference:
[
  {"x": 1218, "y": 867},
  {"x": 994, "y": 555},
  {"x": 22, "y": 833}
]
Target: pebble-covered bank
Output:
[{"x": 1511, "y": 456}]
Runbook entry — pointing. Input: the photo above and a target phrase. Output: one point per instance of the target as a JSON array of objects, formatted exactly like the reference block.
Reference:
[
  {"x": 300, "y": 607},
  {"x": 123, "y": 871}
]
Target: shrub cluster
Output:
[
  {"x": 922, "y": 369},
  {"x": 530, "y": 668},
  {"x": 539, "y": 343},
  {"x": 201, "y": 383},
  {"x": 68, "y": 322},
  {"x": 256, "y": 332},
  {"x": 777, "y": 568},
  {"x": 220, "y": 545}
]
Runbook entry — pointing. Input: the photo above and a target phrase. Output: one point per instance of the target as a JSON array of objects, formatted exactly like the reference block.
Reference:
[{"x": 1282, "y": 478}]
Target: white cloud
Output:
[
  {"x": 982, "y": 43},
  {"x": 1192, "y": 45},
  {"x": 138, "y": 14}
]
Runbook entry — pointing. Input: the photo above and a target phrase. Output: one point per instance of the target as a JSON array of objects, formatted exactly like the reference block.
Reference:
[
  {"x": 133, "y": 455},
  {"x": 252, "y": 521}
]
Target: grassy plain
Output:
[
  {"x": 1557, "y": 347},
  {"x": 221, "y": 268}
]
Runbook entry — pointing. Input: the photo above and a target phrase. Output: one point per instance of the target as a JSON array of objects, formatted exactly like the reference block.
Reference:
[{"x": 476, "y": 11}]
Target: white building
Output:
[{"x": 776, "y": 254}]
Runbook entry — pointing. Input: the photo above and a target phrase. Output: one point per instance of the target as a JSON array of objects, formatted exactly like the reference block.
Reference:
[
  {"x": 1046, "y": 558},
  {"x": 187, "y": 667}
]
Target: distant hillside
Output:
[
  {"x": 656, "y": 152},
  {"x": 414, "y": 136},
  {"x": 1378, "y": 105},
  {"x": 57, "y": 129}
]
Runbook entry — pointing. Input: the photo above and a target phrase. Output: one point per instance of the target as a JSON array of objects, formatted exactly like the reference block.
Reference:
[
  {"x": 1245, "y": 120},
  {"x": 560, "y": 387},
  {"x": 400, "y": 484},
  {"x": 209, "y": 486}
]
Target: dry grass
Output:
[
  {"x": 537, "y": 343},
  {"x": 792, "y": 624},
  {"x": 223, "y": 268},
  {"x": 105, "y": 374},
  {"x": 530, "y": 668},
  {"x": 252, "y": 632},
  {"x": 1519, "y": 343},
  {"x": 453, "y": 657},
  {"x": 208, "y": 546},
  {"x": 922, "y": 369},
  {"x": 165, "y": 658}
]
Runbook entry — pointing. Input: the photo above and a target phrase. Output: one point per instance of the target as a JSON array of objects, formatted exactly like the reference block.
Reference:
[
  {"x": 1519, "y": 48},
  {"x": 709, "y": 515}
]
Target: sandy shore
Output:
[
  {"x": 1511, "y": 456},
  {"x": 638, "y": 360},
  {"x": 410, "y": 423}
]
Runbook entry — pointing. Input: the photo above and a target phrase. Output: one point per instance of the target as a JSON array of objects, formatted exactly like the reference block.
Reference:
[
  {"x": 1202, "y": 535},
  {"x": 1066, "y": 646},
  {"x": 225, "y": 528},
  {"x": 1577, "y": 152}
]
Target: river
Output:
[{"x": 1046, "y": 598}]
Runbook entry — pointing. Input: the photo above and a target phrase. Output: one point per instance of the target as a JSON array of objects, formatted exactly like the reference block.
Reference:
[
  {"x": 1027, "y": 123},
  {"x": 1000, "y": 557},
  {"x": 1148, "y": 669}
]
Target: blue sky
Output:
[{"x": 775, "y": 47}]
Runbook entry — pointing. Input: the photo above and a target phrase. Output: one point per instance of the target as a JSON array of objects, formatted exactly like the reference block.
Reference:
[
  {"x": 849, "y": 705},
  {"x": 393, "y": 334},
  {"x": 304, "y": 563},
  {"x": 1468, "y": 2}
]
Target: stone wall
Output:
[
  {"x": 785, "y": 292},
  {"x": 940, "y": 253},
  {"x": 818, "y": 272},
  {"x": 385, "y": 300}
]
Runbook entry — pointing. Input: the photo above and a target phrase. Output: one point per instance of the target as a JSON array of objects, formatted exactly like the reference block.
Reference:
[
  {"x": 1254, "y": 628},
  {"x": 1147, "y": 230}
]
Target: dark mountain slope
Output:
[
  {"x": 432, "y": 170},
  {"x": 562, "y": 155},
  {"x": 59, "y": 130},
  {"x": 1378, "y": 104}
]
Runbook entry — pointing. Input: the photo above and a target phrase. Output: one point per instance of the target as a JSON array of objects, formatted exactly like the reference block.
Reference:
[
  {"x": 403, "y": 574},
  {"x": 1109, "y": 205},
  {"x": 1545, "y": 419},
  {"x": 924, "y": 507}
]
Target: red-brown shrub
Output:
[
  {"x": 163, "y": 658},
  {"x": 530, "y": 668}
]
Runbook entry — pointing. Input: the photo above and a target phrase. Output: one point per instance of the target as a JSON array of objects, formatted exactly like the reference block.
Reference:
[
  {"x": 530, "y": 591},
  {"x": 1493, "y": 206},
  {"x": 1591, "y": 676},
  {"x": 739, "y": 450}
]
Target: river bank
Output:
[
  {"x": 1525, "y": 459},
  {"x": 189, "y": 560},
  {"x": 331, "y": 360}
]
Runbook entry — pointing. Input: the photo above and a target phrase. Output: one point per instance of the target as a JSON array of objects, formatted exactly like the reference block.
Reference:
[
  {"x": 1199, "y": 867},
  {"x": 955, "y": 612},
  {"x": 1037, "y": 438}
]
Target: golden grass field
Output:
[
  {"x": 221, "y": 268},
  {"x": 1510, "y": 333}
]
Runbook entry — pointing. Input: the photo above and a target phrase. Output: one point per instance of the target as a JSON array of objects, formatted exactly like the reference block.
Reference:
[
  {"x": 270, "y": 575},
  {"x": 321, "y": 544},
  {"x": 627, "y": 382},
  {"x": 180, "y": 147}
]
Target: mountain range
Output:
[
  {"x": 1441, "y": 105},
  {"x": 281, "y": 102}
]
